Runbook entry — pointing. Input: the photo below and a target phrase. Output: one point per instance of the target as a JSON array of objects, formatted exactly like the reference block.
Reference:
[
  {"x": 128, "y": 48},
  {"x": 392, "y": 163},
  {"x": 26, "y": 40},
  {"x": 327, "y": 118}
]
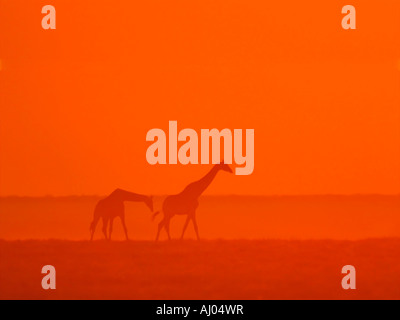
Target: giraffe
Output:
[
  {"x": 186, "y": 202},
  {"x": 113, "y": 206}
]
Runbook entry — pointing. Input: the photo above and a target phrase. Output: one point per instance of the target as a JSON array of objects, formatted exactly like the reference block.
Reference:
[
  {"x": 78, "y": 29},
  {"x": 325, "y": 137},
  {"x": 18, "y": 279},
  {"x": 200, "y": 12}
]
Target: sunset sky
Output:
[{"x": 76, "y": 102}]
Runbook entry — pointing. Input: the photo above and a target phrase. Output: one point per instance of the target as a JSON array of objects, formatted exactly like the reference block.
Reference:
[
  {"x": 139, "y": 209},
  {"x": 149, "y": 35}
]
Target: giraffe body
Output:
[
  {"x": 112, "y": 206},
  {"x": 179, "y": 205}
]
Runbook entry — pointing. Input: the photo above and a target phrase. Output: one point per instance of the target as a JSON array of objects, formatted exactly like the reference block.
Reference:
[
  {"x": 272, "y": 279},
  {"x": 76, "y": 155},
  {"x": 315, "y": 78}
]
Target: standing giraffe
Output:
[
  {"x": 113, "y": 206},
  {"x": 186, "y": 202}
]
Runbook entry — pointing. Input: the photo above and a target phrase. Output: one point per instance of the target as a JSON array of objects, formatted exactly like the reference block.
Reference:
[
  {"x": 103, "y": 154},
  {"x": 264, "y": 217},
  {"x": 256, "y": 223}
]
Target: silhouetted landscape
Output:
[
  {"x": 142, "y": 113},
  {"x": 252, "y": 248}
]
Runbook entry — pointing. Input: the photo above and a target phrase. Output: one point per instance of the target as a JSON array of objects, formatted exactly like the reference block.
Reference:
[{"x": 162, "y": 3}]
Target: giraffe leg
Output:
[
  {"x": 167, "y": 228},
  {"x": 111, "y": 228},
  {"x": 160, "y": 225},
  {"x": 105, "y": 224},
  {"x": 196, "y": 229},
  {"x": 185, "y": 226},
  {"x": 124, "y": 226}
]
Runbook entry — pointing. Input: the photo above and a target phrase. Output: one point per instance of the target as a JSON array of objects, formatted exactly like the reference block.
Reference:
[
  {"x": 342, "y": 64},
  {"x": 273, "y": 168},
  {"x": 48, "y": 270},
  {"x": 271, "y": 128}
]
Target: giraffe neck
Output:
[
  {"x": 198, "y": 187},
  {"x": 123, "y": 195}
]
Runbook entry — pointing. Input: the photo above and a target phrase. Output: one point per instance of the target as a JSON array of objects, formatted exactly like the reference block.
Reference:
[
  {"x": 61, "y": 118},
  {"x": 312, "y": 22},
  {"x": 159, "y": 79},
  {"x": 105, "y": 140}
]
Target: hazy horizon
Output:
[
  {"x": 217, "y": 195},
  {"x": 219, "y": 217}
]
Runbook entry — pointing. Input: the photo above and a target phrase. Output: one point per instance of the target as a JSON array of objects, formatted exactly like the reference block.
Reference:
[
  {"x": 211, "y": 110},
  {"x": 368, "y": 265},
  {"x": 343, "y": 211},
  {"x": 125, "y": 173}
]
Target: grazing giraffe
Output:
[
  {"x": 186, "y": 202},
  {"x": 113, "y": 206}
]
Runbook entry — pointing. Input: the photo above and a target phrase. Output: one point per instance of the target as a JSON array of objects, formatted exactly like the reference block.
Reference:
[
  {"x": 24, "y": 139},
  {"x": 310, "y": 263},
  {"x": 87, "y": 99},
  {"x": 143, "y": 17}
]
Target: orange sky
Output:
[{"x": 76, "y": 102}]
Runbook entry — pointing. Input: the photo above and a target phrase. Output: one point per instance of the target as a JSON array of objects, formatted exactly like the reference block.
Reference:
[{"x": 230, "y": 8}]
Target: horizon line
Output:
[{"x": 216, "y": 195}]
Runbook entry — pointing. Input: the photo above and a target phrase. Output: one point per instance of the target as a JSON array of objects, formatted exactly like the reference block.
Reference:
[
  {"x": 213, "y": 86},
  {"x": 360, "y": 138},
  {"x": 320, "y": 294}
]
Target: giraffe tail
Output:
[{"x": 155, "y": 215}]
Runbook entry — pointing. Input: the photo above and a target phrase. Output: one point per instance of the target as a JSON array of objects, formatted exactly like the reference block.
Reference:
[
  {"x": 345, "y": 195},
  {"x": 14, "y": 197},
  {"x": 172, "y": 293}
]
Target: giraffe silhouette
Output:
[
  {"x": 186, "y": 202},
  {"x": 113, "y": 206}
]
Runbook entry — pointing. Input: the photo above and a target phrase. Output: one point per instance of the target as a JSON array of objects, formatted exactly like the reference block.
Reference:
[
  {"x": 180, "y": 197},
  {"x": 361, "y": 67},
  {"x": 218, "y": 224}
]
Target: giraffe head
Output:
[
  {"x": 149, "y": 203},
  {"x": 224, "y": 167}
]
